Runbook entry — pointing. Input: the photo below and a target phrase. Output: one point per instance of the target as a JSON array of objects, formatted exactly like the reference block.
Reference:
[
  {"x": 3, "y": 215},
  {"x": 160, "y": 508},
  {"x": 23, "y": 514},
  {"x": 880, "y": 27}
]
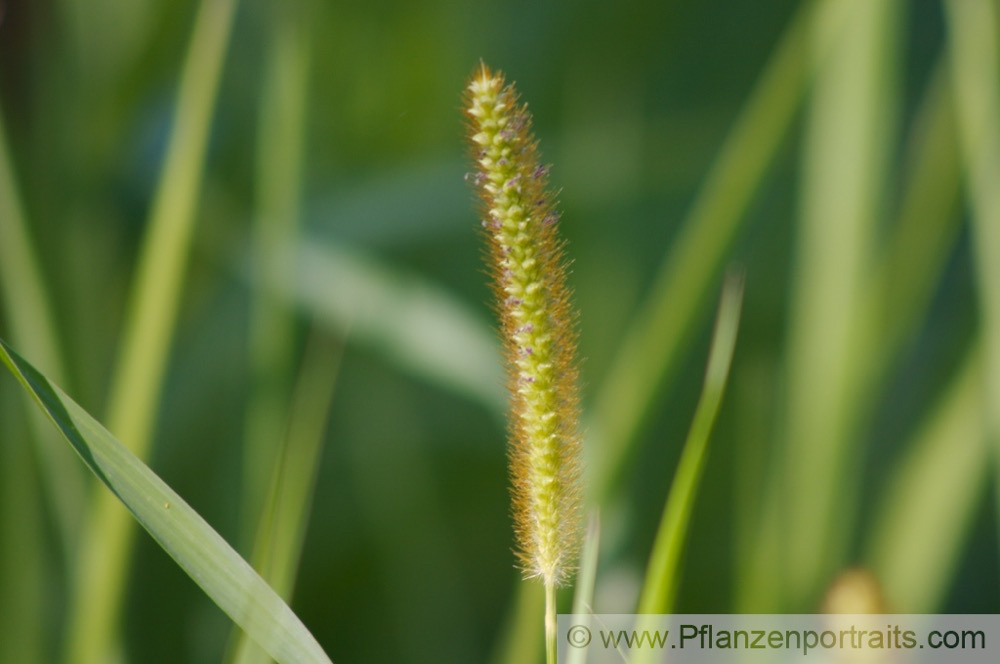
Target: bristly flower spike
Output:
[{"x": 537, "y": 326}]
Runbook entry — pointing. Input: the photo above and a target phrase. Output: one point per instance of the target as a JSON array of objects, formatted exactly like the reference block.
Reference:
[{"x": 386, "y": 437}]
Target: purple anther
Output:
[
  {"x": 540, "y": 172},
  {"x": 550, "y": 219}
]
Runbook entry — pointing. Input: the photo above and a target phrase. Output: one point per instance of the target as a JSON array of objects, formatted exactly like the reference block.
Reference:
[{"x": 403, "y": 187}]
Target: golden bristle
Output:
[{"x": 536, "y": 323}]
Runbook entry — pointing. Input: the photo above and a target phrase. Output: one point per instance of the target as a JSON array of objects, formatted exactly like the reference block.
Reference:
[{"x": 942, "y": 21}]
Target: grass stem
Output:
[{"x": 550, "y": 622}]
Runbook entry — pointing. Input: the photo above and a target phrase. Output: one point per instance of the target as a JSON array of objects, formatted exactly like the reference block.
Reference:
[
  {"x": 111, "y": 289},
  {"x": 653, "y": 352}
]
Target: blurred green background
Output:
[{"x": 841, "y": 152}]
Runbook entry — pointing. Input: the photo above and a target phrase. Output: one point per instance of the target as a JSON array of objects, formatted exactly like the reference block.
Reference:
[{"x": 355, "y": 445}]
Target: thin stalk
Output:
[{"x": 550, "y": 622}]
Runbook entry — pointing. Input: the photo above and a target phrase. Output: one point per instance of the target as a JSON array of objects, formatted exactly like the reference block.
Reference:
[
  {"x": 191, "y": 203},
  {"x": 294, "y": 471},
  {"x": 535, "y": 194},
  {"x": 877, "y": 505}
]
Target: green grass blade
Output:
[
  {"x": 106, "y": 36},
  {"x": 974, "y": 49},
  {"x": 583, "y": 591},
  {"x": 280, "y": 141},
  {"x": 916, "y": 252},
  {"x": 414, "y": 323},
  {"x": 662, "y": 574},
  {"x": 926, "y": 229},
  {"x": 756, "y": 500},
  {"x": 661, "y": 579},
  {"x": 283, "y": 525},
  {"x": 586, "y": 580},
  {"x": 654, "y": 340},
  {"x": 524, "y": 631},
  {"x": 931, "y": 499},
  {"x": 156, "y": 291},
  {"x": 277, "y": 443},
  {"x": 24, "y": 293},
  {"x": 149, "y": 329},
  {"x": 191, "y": 542},
  {"x": 25, "y": 569},
  {"x": 32, "y": 325},
  {"x": 844, "y": 177}
]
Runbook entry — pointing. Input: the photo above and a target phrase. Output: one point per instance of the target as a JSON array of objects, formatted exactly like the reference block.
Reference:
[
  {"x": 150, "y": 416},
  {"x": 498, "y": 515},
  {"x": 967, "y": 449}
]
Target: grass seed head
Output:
[{"x": 520, "y": 222}]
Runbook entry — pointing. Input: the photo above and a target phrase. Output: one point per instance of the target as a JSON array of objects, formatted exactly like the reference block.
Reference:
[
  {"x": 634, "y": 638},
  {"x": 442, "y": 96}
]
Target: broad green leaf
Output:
[{"x": 201, "y": 552}]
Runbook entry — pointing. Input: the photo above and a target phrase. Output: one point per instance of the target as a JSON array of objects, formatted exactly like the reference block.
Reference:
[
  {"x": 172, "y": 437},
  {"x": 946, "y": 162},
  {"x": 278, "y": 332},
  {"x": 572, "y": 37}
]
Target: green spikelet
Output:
[{"x": 537, "y": 325}]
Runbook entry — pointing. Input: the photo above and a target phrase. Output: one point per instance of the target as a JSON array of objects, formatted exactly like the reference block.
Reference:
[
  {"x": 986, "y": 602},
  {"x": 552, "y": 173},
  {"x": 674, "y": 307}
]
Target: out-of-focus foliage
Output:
[{"x": 817, "y": 144}]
